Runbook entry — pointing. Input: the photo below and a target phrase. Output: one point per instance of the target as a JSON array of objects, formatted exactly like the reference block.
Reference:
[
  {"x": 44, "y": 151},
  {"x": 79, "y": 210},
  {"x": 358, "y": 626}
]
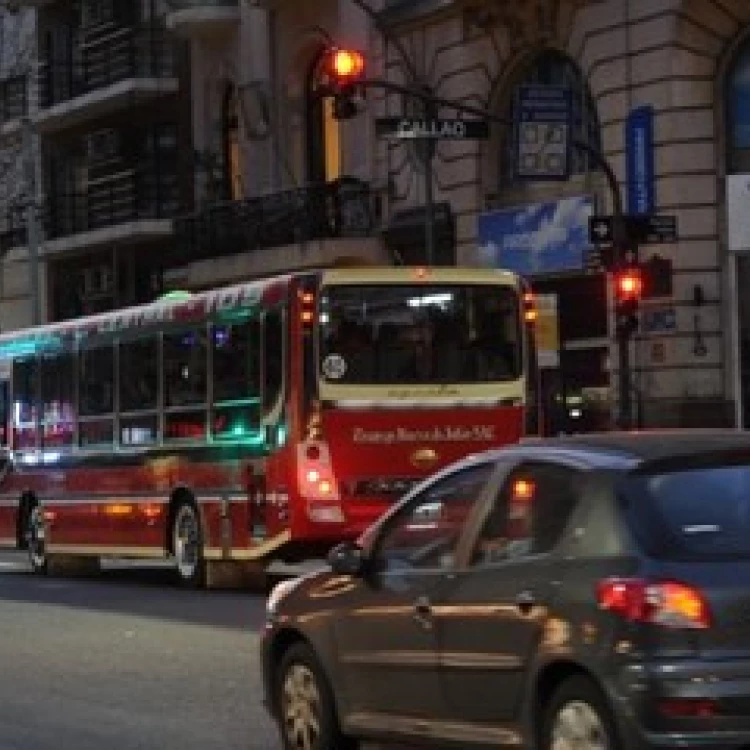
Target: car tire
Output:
[
  {"x": 578, "y": 712},
  {"x": 187, "y": 544},
  {"x": 305, "y": 705}
]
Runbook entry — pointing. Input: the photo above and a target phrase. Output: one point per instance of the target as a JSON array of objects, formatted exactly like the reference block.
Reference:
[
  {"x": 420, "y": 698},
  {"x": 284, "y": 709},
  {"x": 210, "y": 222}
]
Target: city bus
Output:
[{"x": 267, "y": 421}]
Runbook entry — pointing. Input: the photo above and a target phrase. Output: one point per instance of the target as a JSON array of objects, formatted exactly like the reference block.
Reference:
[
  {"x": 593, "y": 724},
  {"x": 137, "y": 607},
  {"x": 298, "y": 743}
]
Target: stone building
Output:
[{"x": 267, "y": 179}]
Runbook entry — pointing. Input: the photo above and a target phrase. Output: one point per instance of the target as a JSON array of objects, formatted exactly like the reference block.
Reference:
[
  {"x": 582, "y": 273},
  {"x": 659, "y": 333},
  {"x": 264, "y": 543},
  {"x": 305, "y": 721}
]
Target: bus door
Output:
[{"x": 269, "y": 515}]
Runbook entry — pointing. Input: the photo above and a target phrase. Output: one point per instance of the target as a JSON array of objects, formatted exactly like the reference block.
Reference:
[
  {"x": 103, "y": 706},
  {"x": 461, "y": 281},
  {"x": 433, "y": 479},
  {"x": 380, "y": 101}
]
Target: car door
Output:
[
  {"x": 496, "y": 606},
  {"x": 385, "y": 629}
]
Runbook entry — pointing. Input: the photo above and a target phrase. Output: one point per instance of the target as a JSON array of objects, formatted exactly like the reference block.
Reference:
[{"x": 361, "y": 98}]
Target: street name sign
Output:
[{"x": 413, "y": 128}]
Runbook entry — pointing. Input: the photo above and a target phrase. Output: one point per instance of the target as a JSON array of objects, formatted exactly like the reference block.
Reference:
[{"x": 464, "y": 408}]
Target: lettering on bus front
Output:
[{"x": 457, "y": 434}]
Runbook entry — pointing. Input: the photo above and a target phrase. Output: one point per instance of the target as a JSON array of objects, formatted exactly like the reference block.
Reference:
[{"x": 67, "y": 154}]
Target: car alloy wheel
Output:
[
  {"x": 578, "y": 717},
  {"x": 300, "y": 708},
  {"x": 305, "y": 706},
  {"x": 577, "y": 726}
]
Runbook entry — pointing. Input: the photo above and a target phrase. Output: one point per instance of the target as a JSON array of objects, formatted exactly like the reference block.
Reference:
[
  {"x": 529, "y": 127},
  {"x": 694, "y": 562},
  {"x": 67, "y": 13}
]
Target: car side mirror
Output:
[{"x": 347, "y": 559}]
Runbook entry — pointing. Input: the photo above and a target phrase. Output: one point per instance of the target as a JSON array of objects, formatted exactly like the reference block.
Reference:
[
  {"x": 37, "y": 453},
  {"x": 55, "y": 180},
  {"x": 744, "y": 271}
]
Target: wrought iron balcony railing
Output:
[
  {"x": 122, "y": 54},
  {"x": 343, "y": 208}
]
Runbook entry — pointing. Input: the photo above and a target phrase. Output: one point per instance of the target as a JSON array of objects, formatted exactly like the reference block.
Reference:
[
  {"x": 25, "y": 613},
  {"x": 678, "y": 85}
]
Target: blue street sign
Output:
[
  {"x": 543, "y": 132},
  {"x": 639, "y": 149}
]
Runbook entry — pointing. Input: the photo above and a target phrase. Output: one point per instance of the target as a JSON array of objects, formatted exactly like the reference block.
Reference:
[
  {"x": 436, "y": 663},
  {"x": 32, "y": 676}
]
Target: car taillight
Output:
[{"x": 667, "y": 603}]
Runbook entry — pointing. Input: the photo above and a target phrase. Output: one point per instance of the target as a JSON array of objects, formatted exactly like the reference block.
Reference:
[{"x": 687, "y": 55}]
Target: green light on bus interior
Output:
[{"x": 178, "y": 295}]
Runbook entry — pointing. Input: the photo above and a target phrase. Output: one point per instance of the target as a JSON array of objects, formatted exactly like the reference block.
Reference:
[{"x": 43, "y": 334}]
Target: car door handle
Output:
[
  {"x": 423, "y": 612},
  {"x": 525, "y": 601}
]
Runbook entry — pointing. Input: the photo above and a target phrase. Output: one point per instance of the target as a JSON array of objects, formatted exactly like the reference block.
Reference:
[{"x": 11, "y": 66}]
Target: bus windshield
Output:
[{"x": 393, "y": 334}]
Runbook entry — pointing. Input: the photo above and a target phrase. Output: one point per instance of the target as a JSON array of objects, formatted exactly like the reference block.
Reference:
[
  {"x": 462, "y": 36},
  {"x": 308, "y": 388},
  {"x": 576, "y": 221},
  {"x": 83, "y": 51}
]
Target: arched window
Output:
[
  {"x": 552, "y": 68},
  {"x": 323, "y": 131},
  {"x": 233, "y": 183},
  {"x": 738, "y": 113}
]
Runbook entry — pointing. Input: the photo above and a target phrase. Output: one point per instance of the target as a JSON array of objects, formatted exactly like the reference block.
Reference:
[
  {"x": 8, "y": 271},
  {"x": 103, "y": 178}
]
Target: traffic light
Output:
[
  {"x": 628, "y": 289},
  {"x": 344, "y": 70}
]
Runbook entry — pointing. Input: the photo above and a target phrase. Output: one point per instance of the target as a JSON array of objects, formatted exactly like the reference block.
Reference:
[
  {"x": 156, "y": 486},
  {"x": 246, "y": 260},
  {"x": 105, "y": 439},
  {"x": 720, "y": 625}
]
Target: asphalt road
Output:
[{"x": 126, "y": 660}]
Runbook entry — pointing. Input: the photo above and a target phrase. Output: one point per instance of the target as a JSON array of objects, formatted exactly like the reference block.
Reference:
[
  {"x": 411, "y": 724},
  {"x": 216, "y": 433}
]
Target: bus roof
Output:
[
  {"x": 419, "y": 275},
  {"x": 167, "y": 309}
]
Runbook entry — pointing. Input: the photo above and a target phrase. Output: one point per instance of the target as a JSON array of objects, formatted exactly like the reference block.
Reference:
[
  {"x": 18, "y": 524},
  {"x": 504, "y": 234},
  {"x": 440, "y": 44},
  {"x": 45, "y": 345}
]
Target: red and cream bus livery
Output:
[{"x": 263, "y": 421}]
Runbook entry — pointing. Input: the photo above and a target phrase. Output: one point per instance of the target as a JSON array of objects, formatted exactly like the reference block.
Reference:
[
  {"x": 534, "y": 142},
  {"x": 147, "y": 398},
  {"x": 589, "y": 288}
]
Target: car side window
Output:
[
  {"x": 426, "y": 532},
  {"x": 530, "y": 513}
]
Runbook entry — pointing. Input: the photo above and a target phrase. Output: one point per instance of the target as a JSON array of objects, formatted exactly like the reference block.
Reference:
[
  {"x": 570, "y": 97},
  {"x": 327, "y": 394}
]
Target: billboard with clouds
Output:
[{"x": 537, "y": 238}]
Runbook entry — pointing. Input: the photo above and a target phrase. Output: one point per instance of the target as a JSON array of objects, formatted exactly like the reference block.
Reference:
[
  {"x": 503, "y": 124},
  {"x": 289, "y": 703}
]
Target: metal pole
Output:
[
  {"x": 32, "y": 225},
  {"x": 429, "y": 199}
]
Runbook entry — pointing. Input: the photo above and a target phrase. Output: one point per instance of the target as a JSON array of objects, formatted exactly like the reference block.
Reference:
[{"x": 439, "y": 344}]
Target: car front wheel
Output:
[
  {"x": 578, "y": 718},
  {"x": 306, "y": 709}
]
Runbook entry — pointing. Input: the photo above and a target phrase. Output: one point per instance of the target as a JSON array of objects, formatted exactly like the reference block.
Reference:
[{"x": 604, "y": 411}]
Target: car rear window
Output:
[{"x": 701, "y": 513}]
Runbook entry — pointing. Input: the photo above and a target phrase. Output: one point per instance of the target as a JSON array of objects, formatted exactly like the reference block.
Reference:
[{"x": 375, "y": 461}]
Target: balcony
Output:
[
  {"x": 198, "y": 18},
  {"x": 110, "y": 72},
  {"x": 133, "y": 206},
  {"x": 337, "y": 210}
]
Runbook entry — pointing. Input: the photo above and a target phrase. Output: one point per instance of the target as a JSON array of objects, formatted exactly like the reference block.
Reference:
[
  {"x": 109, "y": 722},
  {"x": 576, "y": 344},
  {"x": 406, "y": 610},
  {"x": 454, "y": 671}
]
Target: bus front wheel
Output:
[{"x": 187, "y": 543}]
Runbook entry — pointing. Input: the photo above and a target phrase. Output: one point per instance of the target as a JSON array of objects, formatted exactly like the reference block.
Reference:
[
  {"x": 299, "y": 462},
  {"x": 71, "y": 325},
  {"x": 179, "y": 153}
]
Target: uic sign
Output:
[{"x": 411, "y": 128}]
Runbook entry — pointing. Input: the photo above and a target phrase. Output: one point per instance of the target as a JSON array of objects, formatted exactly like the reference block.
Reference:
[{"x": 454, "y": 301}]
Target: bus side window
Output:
[
  {"x": 25, "y": 403},
  {"x": 139, "y": 390},
  {"x": 4, "y": 413},
  {"x": 236, "y": 378},
  {"x": 185, "y": 382},
  {"x": 58, "y": 400},
  {"x": 273, "y": 358},
  {"x": 96, "y": 396}
]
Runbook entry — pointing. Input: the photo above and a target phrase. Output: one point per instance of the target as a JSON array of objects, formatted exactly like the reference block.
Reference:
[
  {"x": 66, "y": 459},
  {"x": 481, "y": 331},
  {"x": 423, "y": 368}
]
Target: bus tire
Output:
[
  {"x": 34, "y": 537},
  {"x": 187, "y": 545}
]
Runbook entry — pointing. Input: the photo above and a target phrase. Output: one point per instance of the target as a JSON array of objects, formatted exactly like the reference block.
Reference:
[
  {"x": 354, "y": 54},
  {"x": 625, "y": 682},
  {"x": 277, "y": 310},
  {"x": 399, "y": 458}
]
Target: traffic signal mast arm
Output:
[{"x": 429, "y": 98}]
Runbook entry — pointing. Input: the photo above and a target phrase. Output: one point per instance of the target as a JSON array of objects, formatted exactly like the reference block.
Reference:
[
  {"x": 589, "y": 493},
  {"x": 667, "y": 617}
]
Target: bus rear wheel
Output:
[
  {"x": 34, "y": 537},
  {"x": 187, "y": 543}
]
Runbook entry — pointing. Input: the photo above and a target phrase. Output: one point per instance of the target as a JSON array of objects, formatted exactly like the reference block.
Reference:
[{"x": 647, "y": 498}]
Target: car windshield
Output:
[
  {"x": 373, "y": 335},
  {"x": 701, "y": 513}
]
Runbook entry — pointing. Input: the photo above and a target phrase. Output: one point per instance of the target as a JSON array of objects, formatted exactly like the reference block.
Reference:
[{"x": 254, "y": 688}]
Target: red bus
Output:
[{"x": 265, "y": 421}]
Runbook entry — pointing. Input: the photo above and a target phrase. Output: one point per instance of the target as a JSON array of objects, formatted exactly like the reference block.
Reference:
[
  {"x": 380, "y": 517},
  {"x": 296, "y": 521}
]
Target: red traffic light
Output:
[
  {"x": 629, "y": 284},
  {"x": 346, "y": 65}
]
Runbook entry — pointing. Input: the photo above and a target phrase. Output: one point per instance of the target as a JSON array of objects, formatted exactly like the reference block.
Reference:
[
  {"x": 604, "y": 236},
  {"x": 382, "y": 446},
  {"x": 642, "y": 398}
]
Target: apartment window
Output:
[
  {"x": 231, "y": 138},
  {"x": 552, "y": 68},
  {"x": 738, "y": 113}
]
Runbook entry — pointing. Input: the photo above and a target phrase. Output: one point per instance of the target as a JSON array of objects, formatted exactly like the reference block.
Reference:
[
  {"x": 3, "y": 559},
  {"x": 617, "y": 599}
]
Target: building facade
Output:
[{"x": 234, "y": 166}]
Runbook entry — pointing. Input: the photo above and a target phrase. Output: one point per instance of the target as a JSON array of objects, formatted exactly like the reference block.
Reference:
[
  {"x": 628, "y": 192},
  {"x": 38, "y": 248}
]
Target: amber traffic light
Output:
[
  {"x": 345, "y": 70},
  {"x": 347, "y": 66}
]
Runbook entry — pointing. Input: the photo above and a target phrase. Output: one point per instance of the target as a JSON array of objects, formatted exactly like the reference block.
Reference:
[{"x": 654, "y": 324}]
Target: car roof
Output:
[{"x": 623, "y": 450}]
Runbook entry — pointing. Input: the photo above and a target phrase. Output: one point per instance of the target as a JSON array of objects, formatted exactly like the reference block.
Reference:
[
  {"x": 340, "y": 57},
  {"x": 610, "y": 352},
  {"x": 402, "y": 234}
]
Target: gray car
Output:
[{"x": 588, "y": 593}]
